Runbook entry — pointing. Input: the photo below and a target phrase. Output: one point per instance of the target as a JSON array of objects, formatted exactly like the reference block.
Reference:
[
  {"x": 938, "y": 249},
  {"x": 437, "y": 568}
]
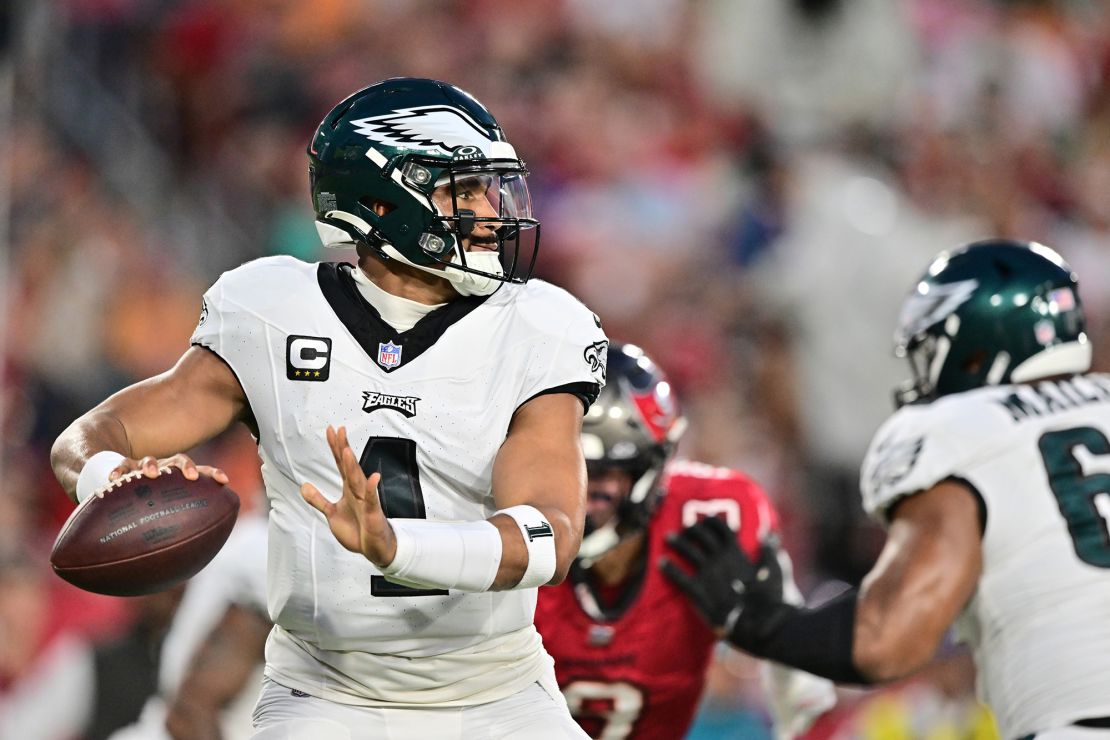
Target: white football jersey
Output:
[
  {"x": 1039, "y": 458},
  {"x": 428, "y": 408}
]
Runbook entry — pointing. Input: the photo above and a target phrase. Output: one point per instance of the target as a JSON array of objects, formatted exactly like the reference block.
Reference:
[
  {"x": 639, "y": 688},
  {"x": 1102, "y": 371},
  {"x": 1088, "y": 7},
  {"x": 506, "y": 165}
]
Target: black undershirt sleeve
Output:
[{"x": 817, "y": 641}]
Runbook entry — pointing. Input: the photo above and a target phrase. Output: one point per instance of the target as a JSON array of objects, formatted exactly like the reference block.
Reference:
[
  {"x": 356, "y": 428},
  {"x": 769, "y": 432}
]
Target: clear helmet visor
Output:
[
  {"x": 490, "y": 195},
  {"x": 501, "y": 194}
]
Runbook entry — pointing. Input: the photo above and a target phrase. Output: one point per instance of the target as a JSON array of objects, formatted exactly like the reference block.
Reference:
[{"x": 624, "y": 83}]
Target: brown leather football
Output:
[{"x": 144, "y": 535}]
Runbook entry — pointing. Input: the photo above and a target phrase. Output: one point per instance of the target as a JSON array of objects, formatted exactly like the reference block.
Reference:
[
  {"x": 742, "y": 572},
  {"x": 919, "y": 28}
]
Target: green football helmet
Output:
[
  {"x": 411, "y": 168},
  {"x": 990, "y": 313}
]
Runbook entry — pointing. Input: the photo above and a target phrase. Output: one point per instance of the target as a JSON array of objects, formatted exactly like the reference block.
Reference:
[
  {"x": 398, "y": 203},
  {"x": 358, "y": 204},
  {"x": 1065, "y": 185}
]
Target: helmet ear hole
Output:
[
  {"x": 378, "y": 207},
  {"x": 975, "y": 361}
]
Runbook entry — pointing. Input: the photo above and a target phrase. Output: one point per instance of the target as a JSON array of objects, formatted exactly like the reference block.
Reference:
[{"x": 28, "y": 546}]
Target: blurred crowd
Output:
[{"x": 746, "y": 188}]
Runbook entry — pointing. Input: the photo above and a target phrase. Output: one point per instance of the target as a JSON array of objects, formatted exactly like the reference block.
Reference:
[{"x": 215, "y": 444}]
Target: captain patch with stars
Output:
[{"x": 307, "y": 358}]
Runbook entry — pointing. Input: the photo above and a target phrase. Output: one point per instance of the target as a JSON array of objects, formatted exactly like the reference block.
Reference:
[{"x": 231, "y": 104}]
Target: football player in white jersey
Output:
[
  {"x": 204, "y": 689},
  {"x": 418, "y": 421},
  {"x": 993, "y": 478}
]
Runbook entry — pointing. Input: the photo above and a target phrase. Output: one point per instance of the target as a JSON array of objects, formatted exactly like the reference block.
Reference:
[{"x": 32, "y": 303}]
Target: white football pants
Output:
[{"x": 532, "y": 714}]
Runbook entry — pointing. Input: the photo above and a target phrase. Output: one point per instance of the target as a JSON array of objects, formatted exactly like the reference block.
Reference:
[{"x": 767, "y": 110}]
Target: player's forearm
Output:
[
  {"x": 516, "y": 554},
  {"x": 924, "y": 576},
  {"x": 514, "y": 549},
  {"x": 540, "y": 465},
  {"x": 94, "y": 432},
  {"x": 898, "y": 625},
  {"x": 161, "y": 416},
  {"x": 555, "y": 487},
  {"x": 192, "y": 720},
  {"x": 217, "y": 674},
  {"x": 568, "y": 538},
  {"x": 881, "y": 659}
]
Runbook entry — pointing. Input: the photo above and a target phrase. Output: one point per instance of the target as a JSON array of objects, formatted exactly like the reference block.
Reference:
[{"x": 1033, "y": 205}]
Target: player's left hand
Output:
[
  {"x": 356, "y": 519},
  {"x": 739, "y": 598}
]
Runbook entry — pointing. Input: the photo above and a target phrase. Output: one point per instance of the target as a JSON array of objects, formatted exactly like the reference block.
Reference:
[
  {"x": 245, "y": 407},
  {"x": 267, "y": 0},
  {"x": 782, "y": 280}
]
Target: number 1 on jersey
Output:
[{"x": 400, "y": 494}]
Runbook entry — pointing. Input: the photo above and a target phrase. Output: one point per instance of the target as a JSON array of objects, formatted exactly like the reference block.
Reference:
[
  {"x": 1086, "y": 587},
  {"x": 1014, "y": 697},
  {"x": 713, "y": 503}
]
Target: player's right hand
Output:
[
  {"x": 741, "y": 599},
  {"x": 356, "y": 519},
  {"x": 150, "y": 466}
]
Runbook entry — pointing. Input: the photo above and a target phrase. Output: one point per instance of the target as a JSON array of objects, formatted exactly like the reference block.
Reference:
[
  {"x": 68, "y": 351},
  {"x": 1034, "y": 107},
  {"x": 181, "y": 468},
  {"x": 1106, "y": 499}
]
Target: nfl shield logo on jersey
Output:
[{"x": 389, "y": 355}]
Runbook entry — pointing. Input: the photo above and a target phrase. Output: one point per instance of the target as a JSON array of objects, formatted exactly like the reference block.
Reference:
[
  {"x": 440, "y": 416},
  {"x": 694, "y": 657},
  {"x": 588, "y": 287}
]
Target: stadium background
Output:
[{"x": 744, "y": 187}]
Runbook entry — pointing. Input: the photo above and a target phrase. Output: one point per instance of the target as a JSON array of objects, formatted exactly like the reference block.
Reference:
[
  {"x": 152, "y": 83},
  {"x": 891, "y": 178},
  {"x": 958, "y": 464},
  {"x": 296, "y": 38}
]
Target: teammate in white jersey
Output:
[
  {"x": 203, "y": 689},
  {"x": 994, "y": 481},
  {"x": 407, "y": 541}
]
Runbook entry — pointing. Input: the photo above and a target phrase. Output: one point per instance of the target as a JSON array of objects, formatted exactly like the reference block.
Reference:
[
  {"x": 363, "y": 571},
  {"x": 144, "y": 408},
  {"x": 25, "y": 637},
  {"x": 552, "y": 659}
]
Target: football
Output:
[{"x": 141, "y": 535}]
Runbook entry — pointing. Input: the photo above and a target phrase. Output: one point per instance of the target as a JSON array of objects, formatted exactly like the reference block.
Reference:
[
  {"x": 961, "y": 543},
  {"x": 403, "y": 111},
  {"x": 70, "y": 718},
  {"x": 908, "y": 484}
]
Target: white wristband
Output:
[
  {"x": 539, "y": 538},
  {"x": 94, "y": 475},
  {"x": 454, "y": 555}
]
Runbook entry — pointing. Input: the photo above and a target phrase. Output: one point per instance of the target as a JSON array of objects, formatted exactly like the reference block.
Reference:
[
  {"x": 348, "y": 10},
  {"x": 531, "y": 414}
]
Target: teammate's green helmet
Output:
[
  {"x": 989, "y": 313},
  {"x": 377, "y": 157}
]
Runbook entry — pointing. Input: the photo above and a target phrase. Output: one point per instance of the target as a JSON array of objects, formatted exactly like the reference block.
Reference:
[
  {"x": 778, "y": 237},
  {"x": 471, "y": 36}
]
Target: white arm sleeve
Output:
[{"x": 453, "y": 555}]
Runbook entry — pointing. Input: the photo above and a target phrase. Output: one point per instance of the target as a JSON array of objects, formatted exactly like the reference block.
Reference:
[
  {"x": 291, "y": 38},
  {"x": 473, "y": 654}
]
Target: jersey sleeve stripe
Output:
[{"x": 585, "y": 392}]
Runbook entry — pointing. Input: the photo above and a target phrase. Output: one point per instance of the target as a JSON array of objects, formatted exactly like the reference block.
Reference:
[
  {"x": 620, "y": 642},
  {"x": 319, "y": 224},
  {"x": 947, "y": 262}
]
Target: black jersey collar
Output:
[{"x": 375, "y": 335}]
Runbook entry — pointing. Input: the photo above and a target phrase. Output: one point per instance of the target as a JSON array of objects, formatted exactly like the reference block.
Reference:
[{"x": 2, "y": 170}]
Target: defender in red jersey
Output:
[{"x": 630, "y": 650}]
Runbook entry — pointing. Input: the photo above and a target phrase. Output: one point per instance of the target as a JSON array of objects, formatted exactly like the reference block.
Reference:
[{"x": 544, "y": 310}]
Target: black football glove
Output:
[{"x": 740, "y": 599}]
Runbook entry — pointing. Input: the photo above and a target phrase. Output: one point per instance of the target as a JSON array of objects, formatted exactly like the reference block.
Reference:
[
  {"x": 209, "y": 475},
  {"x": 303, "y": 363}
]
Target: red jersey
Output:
[{"x": 638, "y": 668}]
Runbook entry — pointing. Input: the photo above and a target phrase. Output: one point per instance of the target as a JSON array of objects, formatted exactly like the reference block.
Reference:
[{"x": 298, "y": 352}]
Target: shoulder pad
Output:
[
  {"x": 920, "y": 446},
  {"x": 567, "y": 343}
]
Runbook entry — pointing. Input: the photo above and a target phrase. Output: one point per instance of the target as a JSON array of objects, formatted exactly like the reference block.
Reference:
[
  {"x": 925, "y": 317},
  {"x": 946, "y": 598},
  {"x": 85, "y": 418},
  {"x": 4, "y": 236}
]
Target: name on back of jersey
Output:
[{"x": 1042, "y": 399}]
